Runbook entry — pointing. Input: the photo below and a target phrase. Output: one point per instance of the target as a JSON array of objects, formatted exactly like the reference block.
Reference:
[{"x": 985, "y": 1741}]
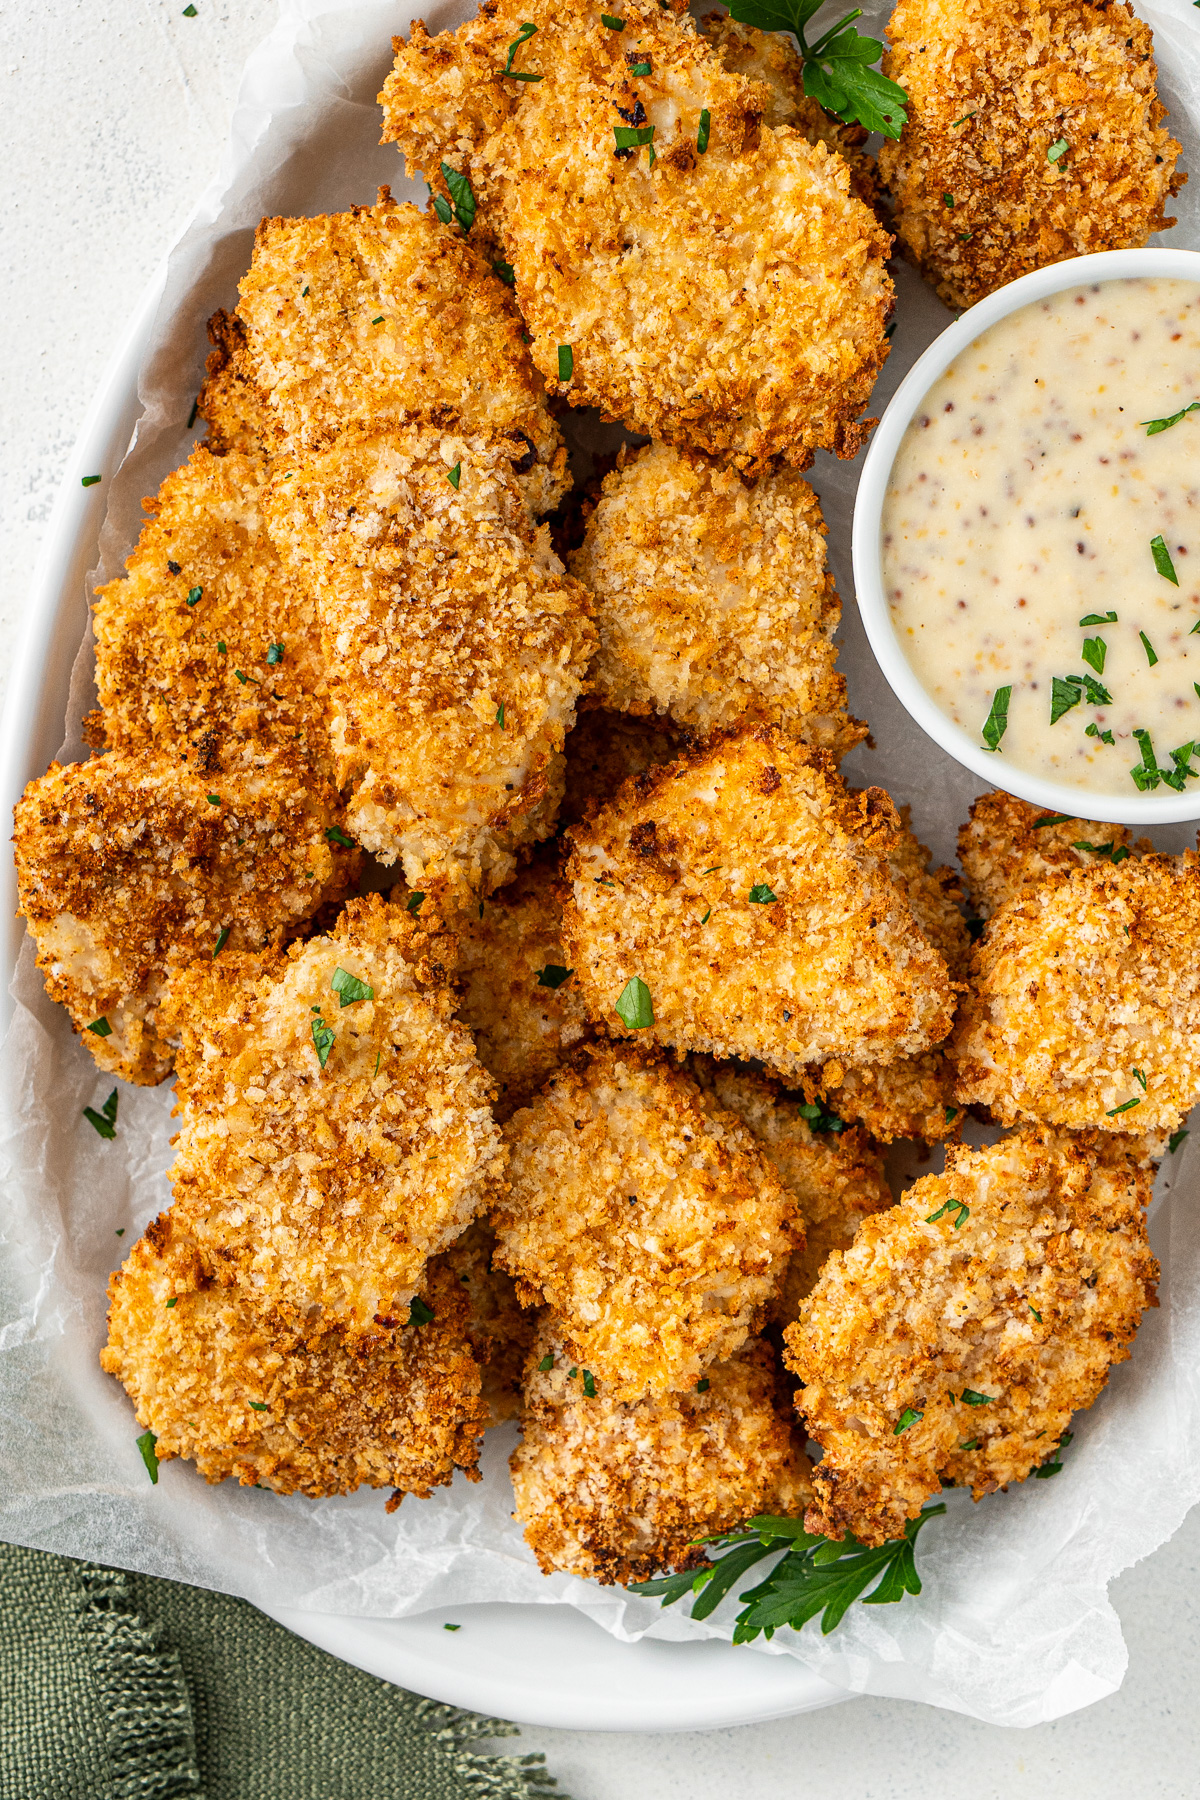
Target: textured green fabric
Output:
[{"x": 123, "y": 1687}]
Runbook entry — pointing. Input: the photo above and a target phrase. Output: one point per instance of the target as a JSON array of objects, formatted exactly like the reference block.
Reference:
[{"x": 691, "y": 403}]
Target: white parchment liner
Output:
[{"x": 1014, "y": 1625}]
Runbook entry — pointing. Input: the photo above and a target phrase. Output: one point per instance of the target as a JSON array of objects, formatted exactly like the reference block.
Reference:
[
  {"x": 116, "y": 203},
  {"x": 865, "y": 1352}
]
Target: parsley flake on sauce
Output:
[
  {"x": 1162, "y": 559},
  {"x": 553, "y": 975},
  {"x": 1108, "y": 618},
  {"x": 1154, "y": 426},
  {"x": 349, "y": 988},
  {"x": 104, "y": 1121},
  {"x": 1148, "y": 647},
  {"x": 634, "y": 1007},
  {"x": 420, "y": 1314},
  {"x": 1094, "y": 652},
  {"x": 1146, "y": 774},
  {"x": 996, "y": 723},
  {"x": 1093, "y": 730}
]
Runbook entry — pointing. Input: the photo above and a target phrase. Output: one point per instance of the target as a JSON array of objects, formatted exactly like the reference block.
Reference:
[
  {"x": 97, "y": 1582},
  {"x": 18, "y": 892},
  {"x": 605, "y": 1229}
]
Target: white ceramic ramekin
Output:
[{"x": 1061, "y": 797}]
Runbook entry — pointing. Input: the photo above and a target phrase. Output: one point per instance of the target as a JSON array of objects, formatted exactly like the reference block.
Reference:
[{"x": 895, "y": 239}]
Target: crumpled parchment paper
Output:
[{"x": 1014, "y": 1625}]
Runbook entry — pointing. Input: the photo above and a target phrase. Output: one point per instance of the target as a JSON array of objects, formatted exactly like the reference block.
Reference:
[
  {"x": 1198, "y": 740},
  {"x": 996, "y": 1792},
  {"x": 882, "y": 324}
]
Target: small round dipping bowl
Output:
[{"x": 1055, "y": 796}]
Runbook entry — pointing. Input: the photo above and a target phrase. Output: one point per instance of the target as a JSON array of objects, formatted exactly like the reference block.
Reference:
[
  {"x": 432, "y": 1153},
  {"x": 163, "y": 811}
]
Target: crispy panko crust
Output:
[
  {"x": 605, "y": 750},
  {"x": 329, "y": 1187},
  {"x": 992, "y": 86},
  {"x": 373, "y": 318},
  {"x": 835, "y": 1178},
  {"x": 647, "y": 1219},
  {"x": 615, "y": 1492},
  {"x": 223, "y": 1380},
  {"x": 833, "y": 965},
  {"x": 231, "y": 402},
  {"x": 732, "y": 301},
  {"x": 1028, "y": 1298},
  {"x": 772, "y": 57},
  {"x": 713, "y": 598},
  {"x": 1008, "y": 849},
  {"x": 523, "y": 1024},
  {"x": 498, "y": 1328},
  {"x": 456, "y": 648},
  {"x": 130, "y": 867},
  {"x": 1084, "y": 1004},
  {"x": 243, "y": 660}
]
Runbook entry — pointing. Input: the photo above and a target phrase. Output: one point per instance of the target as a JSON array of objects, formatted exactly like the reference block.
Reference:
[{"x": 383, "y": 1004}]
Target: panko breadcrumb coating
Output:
[
  {"x": 1034, "y": 134},
  {"x": 498, "y": 1328},
  {"x": 131, "y": 867},
  {"x": 605, "y": 750},
  {"x": 331, "y": 1140},
  {"x": 731, "y": 299},
  {"x": 1084, "y": 1003},
  {"x": 751, "y": 894},
  {"x": 231, "y": 402},
  {"x": 208, "y": 638},
  {"x": 456, "y": 648},
  {"x": 1009, "y": 848},
  {"x": 221, "y": 1379},
  {"x": 649, "y": 1221},
  {"x": 834, "y": 1178},
  {"x": 616, "y": 1492},
  {"x": 962, "y": 1328},
  {"x": 713, "y": 598},
  {"x": 518, "y": 996},
  {"x": 377, "y": 317}
]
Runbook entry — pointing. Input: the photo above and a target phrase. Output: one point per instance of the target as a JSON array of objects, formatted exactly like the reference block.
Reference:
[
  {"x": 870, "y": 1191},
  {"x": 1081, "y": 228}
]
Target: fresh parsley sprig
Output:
[
  {"x": 814, "y": 1575},
  {"x": 837, "y": 67}
]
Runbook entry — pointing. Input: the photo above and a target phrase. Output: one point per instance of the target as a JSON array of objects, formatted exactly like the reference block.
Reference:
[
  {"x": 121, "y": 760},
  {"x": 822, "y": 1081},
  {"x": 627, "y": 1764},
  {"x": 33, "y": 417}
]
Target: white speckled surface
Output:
[{"x": 115, "y": 114}]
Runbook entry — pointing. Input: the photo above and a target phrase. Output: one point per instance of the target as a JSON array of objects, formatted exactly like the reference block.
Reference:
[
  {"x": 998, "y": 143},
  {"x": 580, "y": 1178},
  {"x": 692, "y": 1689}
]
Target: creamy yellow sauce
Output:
[{"x": 1027, "y": 496}]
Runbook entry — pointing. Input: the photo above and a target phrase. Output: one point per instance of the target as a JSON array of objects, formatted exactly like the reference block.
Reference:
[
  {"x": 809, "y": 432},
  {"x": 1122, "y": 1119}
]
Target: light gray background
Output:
[{"x": 115, "y": 113}]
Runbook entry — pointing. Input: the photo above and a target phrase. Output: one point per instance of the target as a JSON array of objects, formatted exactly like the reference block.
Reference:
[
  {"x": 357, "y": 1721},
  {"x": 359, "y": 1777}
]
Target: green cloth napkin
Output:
[{"x": 123, "y": 1687}]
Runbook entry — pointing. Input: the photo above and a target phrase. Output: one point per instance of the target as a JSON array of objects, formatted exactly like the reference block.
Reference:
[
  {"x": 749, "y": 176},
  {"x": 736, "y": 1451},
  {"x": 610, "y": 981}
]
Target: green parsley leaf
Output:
[
  {"x": 245, "y": 678},
  {"x": 959, "y": 1207},
  {"x": 451, "y": 1627},
  {"x": 1057, "y": 150},
  {"x": 378, "y": 321},
  {"x": 420, "y": 1314},
  {"x": 1051, "y": 819},
  {"x": 101, "y": 1027},
  {"x": 323, "y": 1039},
  {"x": 1114, "y": 853},
  {"x": 146, "y": 1444},
  {"x": 589, "y": 1385},
  {"x": 192, "y": 415},
  {"x": 1064, "y": 695},
  {"x": 524, "y": 33},
  {"x": 189, "y": 12},
  {"x": 1154, "y": 426},
  {"x": 634, "y": 1007},
  {"x": 1127, "y": 1106},
  {"x": 613, "y": 23},
  {"x": 817, "y": 1119},
  {"x": 1094, "y": 652},
  {"x": 837, "y": 71},
  {"x": 104, "y": 1121},
  {"x": 909, "y": 1416},
  {"x": 222, "y": 940},
  {"x": 506, "y": 272},
  {"x": 1139, "y": 1076},
  {"x": 1181, "y": 757},
  {"x": 259, "y": 1406},
  {"x": 1176, "y": 1138},
  {"x": 629, "y": 137},
  {"x": 194, "y": 595},
  {"x": 571, "y": 1374},
  {"x": 1147, "y": 773},
  {"x": 963, "y": 120},
  {"x": 304, "y": 291},
  {"x": 1108, "y": 618},
  {"x": 1033, "y": 1309},
  {"x": 707, "y": 916},
  {"x": 1148, "y": 647},
  {"x": 121, "y": 1232},
  {"x": 460, "y": 193},
  {"x": 1093, "y": 730},
  {"x": 274, "y": 654},
  {"x": 221, "y": 647},
  {"x": 969, "y": 1444},
  {"x": 951, "y": 1113},
  {"x": 454, "y": 475},
  {"x": 336, "y": 835},
  {"x": 442, "y": 208},
  {"x": 1162, "y": 559},
  {"x": 970, "y": 1398},
  {"x": 500, "y": 715},
  {"x": 996, "y": 723},
  {"x": 90, "y": 480},
  {"x": 349, "y": 989},
  {"x": 638, "y": 65},
  {"x": 553, "y": 975},
  {"x": 414, "y": 901},
  {"x": 566, "y": 362},
  {"x": 761, "y": 895},
  {"x": 546, "y": 1364},
  {"x": 705, "y": 126},
  {"x": 213, "y": 799},
  {"x": 948, "y": 200},
  {"x": 703, "y": 1385},
  {"x": 1053, "y": 1463}
]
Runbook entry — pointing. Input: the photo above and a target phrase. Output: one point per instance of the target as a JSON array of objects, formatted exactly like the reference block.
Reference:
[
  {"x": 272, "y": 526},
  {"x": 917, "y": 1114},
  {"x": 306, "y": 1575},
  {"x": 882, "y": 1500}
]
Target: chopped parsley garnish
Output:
[
  {"x": 1148, "y": 647},
  {"x": 1057, "y": 150},
  {"x": 566, "y": 362},
  {"x": 634, "y": 1007},
  {"x": 837, "y": 67},
  {"x": 506, "y": 273},
  {"x": 451, "y": 1627},
  {"x": 613, "y": 23},
  {"x": 959, "y": 1207},
  {"x": 1067, "y": 691},
  {"x": 1033, "y": 1309},
  {"x": 259, "y": 1406},
  {"x": 104, "y": 1121},
  {"x": 252, "y": 679},
  {"x": 908, "y": 1417},
  {"x": 349, "y": 988},
  {"x": 460, "y": 193},
  {"x": 336, "y": 835},
  {"x": 194, "y": 595},
  {"x": 1053, "y": 1463},
  {"x": 221, "y": 646},
  {"x": 526, "y": 31},
  {"x": 1115, "y": 853},
  {"x": 304, "y": 291},
  {"x": 1108, "y": 618},
  {"x": 546, "y": 1364},
  {"x": 638, "y": 64},
  {"x": 1182, "y": 771},
  {"x": 101, "y": 1027},
  {"x": 500, "y": 715},
  {"x": 378, "y": 321},
  {"x": 1139, "y": 1075},
  {"x": 147, "y": 1444},
  {"x": 1176, "y": 1138},
  {"x": 420, "y": 1314},
  {"x": 703, "y": 1385},
  {"x": 589, "y": 1385},
  {"x": 1147, "y": 773},
  {"x": 970, "y": 1398},
  {"x": 816, "y": 1575},
  {"x": 707, "y": 916},
  {"x": 189, "y": 12},
  {"x": 1052, "y": 819},
  {"x": 1126, "y": 1106},
  {"x": 948, "y": 200},
  {"x": 1093, "y": 730},
  {"x": 1162, "y": 559},
  {"x": 414, "y": 901},
  {"x": 1094, "y": 652},
  {"x": 454, "y": 475},
  {"x": 1154, "y": 426},
  {"x": 761, "y": 895},
  {"x": 192, "y": 415},
  {"x": 702, "y": 134},
  {"x": 274, "y": 654},
  {"x": 213, "y": 799},
  {"x": 441, "y": 207},
  {"x": 553, "y": 975},
  {"x": 222, "y": 940},
  {"x": 817, "y": 1119},
  {"x": 969, "y": 1444},
  {"x": 996, "y": 723},
  {"x": 629, "y": 137},
  {"x": 951, "y": 1113},
  {"x": 323, "y": 1039},
  {"x": 90, "y": 480}
]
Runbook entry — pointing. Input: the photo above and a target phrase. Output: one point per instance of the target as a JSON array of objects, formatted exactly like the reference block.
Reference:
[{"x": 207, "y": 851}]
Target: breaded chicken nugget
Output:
[
  {"x": 605, "y": 750},
  {"x": 129, "y": 868},
  {"x": 835, "y": 1178},
  {"x": 616, "y": 1492},
  {"x": 382, "y": 315},
  {"x": 1008, "y": 849},
  {"x": 1034, "y": 134},
  {"x": 772, "y": 57},
  {"x": 740, "y": 901},
  {"x": 1084, "y": 1004},
  {"x": 708, "y": 279},
  {"x": 231, "y": 401},
  {"x": 221, "y": 1379},
  {"x": 208, "y": 637},
  {"x": 455, "y": 645},
  {"x": 335, "y": 1127},
  {"x": 519, "y": 997},
  {"x": 498, "y": 1328},
  {"x": 713, "y": 598},
  {"x": 962, "y": 1328},
  {"x": 649, "y": 1221}
]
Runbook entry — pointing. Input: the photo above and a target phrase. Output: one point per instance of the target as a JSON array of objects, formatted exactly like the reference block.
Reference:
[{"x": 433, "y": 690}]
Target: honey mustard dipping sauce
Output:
[{"x": 1041, "y": 538}]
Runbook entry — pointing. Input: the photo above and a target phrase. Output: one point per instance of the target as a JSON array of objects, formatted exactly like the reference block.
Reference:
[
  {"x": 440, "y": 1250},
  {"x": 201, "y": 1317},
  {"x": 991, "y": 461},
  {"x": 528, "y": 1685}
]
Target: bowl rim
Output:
[{"x": 1054, "y": 796}]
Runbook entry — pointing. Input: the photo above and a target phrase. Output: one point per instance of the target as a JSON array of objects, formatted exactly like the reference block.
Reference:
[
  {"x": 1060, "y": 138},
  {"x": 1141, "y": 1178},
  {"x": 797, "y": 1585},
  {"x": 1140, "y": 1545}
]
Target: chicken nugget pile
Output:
[{"x": 541, "y": 993}]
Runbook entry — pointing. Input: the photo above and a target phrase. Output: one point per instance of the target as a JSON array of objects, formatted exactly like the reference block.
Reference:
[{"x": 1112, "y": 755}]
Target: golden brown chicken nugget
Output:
[
  {"x": 1008, "y": 848},
  {"x": 130, "y": 867},
  {"x": 498, "y": 1328},
  {"x": 456, "y": 648},
  {"x": 713, "y": 599},
  {"x": 220, "y": 1378},
  {"x": 1034, "y": 134},
  {"x": 740, "y": 901},
  {"x": 335, "y": 1127},
  {"x": 708, "y": 279},
  {"x": 616, "y": 1492},
  {"x": 649, "y": 1221},
  {"x": 962, "y": 1328}
]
